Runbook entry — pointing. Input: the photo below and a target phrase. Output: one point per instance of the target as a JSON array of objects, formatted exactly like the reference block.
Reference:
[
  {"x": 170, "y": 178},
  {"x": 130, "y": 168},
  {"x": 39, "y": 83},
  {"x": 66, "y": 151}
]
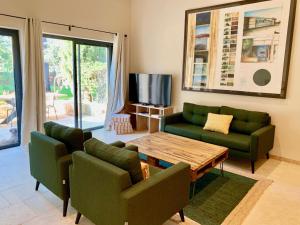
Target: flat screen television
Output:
[{"x": 150, "y": 89}]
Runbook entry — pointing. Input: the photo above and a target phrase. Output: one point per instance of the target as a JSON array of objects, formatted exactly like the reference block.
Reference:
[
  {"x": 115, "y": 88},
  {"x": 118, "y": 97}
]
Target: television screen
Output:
[{"x": 154, "y": 89}]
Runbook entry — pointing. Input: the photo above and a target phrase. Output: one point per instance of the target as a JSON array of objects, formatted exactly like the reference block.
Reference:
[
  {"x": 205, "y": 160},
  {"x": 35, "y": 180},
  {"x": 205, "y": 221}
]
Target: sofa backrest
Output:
[
  {"x": 122, "y": 158},
  {"x": 73, "y": 138},
  {"x": 245, "y": 121},
  {"x": 197, "y": 114}
]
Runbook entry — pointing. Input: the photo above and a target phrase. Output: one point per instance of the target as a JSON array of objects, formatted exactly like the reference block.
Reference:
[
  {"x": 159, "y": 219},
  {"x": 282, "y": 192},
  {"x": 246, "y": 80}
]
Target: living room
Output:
[{"x": 105, "y": 39}]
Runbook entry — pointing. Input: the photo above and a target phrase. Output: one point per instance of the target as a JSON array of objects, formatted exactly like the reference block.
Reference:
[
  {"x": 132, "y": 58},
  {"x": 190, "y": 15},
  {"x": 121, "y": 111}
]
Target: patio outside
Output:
[
  {"x": 92, "y": 67},
  {"x": 91, "y": 82},
  {"x": 8, "y": 119}
]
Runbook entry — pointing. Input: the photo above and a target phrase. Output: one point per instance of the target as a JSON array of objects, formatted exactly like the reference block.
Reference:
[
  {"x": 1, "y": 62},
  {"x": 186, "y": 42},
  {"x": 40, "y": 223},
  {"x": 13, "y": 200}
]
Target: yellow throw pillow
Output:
[
  {"x": 145, "y": 170},
  {"x": 218, "y": 123}
]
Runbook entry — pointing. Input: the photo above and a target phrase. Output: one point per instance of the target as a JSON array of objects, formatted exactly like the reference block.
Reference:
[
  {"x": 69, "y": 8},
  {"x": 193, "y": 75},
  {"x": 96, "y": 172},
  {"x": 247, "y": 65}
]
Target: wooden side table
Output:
[{"x": 147, "y": 117}]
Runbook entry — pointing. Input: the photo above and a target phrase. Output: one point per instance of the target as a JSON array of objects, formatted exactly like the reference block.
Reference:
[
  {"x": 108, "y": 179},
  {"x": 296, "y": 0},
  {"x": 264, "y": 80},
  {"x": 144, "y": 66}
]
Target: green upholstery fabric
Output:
[
  {"x": 95, "y": 187},
  {"x": 121, "y": 144},
  {"x": 50, "y": 157},
  {"x": 250, "y": 133},
  {"x": 44, "y": 155},
  {"x": 87, "y": 135},
  {"x": 122, "y": 158},
  {"x": 73, "y": 138},
  {"x": 104, "y": 194},
  {"x": 232, "y": 140},
  {"x": 245, "y": 121},
  {"x": 197, "y": 114},
  {"x": 118, "y": 144},
  {"x": 262, "y": 140},
  {"x": 165, "y": 193},
  {"x": 185, "y": 129}
]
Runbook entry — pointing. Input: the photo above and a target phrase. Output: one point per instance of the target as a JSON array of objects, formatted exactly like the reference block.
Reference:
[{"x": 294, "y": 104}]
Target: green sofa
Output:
[
  {"x": 106, "y": 187},
  {"x": 50, "y": 155},
  {"x": 251, "y": 133}
]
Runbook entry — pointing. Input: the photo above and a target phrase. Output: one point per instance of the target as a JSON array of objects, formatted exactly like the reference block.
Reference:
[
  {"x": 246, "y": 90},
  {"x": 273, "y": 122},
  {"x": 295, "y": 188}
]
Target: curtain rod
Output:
[{"x": 65, "y": 25}]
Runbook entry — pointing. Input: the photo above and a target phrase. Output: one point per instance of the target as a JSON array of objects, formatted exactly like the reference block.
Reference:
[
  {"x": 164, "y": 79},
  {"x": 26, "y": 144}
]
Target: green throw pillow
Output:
[
  {"x": 73, "y": 138},
  {"x": 125, "y": 159}
]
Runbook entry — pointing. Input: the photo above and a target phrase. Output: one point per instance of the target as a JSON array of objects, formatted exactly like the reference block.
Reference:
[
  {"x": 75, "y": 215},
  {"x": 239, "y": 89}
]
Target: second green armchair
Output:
[{"x": 108, "y": 195}]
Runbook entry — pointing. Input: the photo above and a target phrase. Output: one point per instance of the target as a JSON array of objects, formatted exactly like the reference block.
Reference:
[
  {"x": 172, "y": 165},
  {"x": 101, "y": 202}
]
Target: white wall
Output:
[
  {"x": 157, "y": 33},
  {"x": 110, "y": 15}
]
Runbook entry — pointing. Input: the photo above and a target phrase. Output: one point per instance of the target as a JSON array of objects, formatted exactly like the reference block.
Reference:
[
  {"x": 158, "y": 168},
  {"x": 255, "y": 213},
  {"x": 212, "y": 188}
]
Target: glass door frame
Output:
[
  {"x": 76, "y": 78},
  {"x": 14, "y": 34}
]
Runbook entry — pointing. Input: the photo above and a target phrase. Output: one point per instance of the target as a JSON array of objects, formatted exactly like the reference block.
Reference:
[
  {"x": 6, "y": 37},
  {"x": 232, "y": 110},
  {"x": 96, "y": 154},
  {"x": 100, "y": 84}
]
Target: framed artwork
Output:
[{"x": 239, "y": 48}]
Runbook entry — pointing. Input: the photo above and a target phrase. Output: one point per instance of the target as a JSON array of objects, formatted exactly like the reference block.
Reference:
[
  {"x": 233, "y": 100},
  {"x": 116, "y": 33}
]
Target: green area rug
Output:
[{"x": 216, "y": 197}]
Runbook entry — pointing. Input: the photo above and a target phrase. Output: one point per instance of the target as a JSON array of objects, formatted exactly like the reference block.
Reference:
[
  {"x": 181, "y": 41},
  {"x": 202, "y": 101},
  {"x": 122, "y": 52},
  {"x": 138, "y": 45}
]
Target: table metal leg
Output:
[
  {"x": 193, "y": 188},
  {"x": 222, "y": 168}
]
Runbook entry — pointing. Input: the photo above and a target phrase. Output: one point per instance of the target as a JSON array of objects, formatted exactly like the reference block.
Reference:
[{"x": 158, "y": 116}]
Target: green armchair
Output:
[
  {"x": 105, "y": 193},
  {"x": 50, "y": 155}
]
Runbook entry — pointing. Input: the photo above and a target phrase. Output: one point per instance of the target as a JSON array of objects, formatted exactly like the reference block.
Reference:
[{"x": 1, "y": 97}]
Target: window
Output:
[
  {"x": 76, "y": 76},
  {"x": 10, "y": 89}
]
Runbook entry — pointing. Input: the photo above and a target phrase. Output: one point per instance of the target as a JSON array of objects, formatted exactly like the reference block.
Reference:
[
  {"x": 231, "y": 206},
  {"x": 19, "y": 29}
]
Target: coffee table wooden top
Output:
[{"x": 174, "y": 149}]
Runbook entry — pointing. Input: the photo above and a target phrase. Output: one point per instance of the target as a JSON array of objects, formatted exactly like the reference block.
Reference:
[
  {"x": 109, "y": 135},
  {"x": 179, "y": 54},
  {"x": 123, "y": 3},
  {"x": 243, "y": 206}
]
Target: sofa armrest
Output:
[
  {"x": 118, "y": 144},
  {"x": 165, "y": 193},
  {"x": 44, "y": 154},
  {"x": 170, "y": 119},
  {"x": 132, "y": 148},
  {"x": 87, "y": 135},
  {"x": 262, "y": 141},
  {"x": 63, "y": 164}
]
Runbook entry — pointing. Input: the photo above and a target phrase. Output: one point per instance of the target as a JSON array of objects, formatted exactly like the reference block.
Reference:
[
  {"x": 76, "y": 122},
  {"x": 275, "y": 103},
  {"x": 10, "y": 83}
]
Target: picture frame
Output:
[{"x": 237, "y": 48}]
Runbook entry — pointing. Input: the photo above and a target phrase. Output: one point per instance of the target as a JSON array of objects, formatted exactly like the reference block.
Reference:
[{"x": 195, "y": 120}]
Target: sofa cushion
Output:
[
  {"x": 218, "y": 123},
  {"x": 232, "y": 140},
  {"x": 185, "y": 129},
  {"x": 73, "y": 138},
  {"x": 197, "y": 114},
  {"x": 125, "y": 159},
  {"x": 244, "y": 121}
]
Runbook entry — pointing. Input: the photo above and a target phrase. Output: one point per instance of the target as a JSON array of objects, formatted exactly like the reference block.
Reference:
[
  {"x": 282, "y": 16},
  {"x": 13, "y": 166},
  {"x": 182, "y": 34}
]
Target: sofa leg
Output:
[
  {"x": 268, "y": 155},
  {"x": 65, "y": 207},
  {"x": 181, "y": 215},
  {"x": 77, "y": 218},
  {"x": 37, "y": 185},
  {"x": 252, "y": 166}
]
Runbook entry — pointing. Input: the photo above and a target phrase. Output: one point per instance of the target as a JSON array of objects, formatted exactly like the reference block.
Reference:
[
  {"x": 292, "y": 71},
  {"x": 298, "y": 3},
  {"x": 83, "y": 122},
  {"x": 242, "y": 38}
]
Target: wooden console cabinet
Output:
[{"x": 147, "y": 117}]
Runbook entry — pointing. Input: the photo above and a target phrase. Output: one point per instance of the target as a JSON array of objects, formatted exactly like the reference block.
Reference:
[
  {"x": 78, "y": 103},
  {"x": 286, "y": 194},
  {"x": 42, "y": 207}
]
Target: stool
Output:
[{"x": 121, "y": 124}]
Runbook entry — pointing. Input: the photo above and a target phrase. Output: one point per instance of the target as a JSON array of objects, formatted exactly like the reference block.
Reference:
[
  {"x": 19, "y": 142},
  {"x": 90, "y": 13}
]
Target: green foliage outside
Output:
[
  {"x": 6, "y": 65},
  {"x": 58, "y": 55},
  {"x": 92, "y": 69}
]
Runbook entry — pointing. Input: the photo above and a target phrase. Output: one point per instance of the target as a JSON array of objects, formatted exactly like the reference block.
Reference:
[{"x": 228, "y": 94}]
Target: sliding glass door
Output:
[
  {"x": 92, "y": 72},
  {"x": 76, "y": 74},
  {"x": 10, "y": 89},
  {"x": 59, "y": 81}
]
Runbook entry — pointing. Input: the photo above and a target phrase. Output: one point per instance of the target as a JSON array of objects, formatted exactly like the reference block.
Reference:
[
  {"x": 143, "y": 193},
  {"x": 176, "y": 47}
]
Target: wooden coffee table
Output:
[{"x": 174, "y": 149}]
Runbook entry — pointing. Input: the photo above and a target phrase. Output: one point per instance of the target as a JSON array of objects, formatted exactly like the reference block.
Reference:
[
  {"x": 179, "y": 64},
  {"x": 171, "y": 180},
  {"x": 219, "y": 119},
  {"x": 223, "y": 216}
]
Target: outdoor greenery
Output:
[
  {"x": 6, "y": 65},
  {"x": 58, "y": 56}
]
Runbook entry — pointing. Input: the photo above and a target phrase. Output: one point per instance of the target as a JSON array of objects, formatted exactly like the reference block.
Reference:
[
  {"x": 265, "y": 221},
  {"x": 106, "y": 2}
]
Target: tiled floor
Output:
[{"x": 20, "y": 204}]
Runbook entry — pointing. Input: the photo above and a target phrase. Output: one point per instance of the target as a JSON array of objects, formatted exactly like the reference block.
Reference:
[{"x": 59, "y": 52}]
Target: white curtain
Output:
[
  {"x": 34, "y": 103},
  {"x": 117, "y": 79}
]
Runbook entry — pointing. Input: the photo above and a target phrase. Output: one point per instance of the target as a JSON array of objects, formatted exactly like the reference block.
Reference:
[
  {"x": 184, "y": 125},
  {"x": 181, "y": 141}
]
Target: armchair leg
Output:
[
  {"x": 252, "y": 166},
  {"x": 181, "y": 215},
  {"x": 37, "y": 185},
  {"x": 65, "y": 208},
  {"x": 77, "y": 218},
  {"x": 268, "y": 155}
]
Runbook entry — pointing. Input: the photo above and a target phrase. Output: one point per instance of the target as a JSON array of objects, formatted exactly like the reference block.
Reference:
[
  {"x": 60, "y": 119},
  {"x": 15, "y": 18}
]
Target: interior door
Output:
[
  {"x": 93, "y": 63},
  {"x": 10, "y": 89}
]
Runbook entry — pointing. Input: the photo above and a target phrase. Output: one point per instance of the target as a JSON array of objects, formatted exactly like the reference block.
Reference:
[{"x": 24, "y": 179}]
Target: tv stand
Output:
[{"x": 147, "y": 117}]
